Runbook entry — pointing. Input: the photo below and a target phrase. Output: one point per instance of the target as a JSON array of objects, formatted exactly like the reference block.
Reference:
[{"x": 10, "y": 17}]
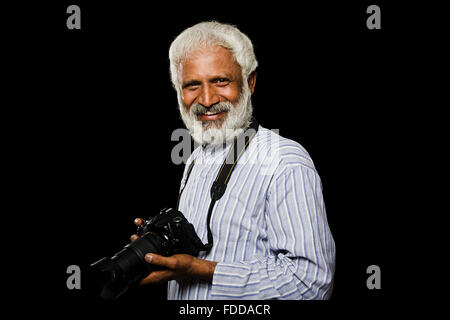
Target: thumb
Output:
[{"x": 159, "y": 260}]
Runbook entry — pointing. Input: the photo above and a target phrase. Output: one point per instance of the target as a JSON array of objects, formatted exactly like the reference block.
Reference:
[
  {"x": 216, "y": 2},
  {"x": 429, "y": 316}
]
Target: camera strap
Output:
[{"x": 220, "y": 183}]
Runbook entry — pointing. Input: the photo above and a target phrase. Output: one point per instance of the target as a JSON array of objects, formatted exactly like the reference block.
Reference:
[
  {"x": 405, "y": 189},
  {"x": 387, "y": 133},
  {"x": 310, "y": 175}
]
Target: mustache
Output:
[{"x": 198, "y": 109}]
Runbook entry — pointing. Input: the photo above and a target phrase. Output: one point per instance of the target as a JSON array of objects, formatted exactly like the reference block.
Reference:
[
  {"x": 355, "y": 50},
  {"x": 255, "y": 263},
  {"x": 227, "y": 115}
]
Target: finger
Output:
[
  {"x": 134, "y": 237},
  {"x": 156, "y": 259},
  {"x": 138, "y": 221},
  {"x": 157, "y": 277}
]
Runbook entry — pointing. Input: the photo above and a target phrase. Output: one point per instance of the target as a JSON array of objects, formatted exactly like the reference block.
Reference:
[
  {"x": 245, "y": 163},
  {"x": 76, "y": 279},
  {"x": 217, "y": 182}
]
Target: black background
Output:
[{"x": 96, "y": 119}]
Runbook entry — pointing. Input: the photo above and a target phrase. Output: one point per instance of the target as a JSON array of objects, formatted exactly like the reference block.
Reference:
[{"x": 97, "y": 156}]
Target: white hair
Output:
[{"x": 210, "y": 34}]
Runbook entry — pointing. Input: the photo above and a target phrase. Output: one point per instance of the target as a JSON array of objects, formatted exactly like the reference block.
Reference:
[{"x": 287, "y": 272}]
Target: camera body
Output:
[
  {"x": 167, "y": 233},
  {"x": 178, "y": 234}
]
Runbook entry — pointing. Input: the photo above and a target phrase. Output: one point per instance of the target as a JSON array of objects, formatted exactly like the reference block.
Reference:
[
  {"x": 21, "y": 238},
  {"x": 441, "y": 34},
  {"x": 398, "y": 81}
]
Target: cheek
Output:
[
  {"x": 230, "y": 93},
  {"x": 188, "y": 97}
]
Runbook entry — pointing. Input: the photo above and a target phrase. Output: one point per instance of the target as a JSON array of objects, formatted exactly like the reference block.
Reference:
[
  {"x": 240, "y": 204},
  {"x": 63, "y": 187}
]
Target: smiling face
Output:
[
  {"x": 215, "y": 99},
  {"x": 211, "y": 76}
]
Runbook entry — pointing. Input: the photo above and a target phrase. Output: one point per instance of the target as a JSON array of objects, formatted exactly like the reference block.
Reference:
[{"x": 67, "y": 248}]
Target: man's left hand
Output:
[{"x": 178, "y": 266}]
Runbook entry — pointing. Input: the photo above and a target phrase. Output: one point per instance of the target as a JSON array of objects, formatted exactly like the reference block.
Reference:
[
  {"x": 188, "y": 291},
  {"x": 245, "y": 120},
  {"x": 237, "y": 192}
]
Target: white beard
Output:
[{"x": 217, "y": 132}]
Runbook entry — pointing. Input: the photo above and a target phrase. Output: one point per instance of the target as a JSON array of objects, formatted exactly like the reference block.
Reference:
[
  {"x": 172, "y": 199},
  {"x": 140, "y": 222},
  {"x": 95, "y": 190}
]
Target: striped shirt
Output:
[{"x": 270, "y": 230}]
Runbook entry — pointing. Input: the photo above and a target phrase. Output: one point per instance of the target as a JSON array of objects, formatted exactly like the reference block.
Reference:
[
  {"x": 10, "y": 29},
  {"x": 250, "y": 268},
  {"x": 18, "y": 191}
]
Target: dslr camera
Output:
[{"x": 165, "y": 234}]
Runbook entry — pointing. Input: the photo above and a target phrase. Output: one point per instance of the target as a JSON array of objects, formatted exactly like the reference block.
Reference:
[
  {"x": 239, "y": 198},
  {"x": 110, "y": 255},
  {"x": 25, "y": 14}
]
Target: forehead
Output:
[{"x": 210, "y": 62}]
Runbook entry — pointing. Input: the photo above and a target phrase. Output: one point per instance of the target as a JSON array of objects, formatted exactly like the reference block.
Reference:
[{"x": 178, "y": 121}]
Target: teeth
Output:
[{"x": 210, "y": 113}]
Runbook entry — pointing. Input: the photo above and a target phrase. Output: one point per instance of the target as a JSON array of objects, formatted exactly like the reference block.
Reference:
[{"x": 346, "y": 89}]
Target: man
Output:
[{"x": 270, "y": 234}]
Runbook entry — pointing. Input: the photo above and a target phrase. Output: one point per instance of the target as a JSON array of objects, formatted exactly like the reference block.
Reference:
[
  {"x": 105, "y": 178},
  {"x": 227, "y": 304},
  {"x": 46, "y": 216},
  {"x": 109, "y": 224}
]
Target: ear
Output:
[{"x": 252, "y": 81}]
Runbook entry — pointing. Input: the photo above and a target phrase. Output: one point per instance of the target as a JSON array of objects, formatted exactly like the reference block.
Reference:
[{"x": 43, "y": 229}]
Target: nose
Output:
[{"x": 208, "y": 97}]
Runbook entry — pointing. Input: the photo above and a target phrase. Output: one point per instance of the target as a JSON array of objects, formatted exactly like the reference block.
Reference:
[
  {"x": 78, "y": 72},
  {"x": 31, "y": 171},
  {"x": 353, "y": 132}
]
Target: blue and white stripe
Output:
[{"x": 271, "y": 235}]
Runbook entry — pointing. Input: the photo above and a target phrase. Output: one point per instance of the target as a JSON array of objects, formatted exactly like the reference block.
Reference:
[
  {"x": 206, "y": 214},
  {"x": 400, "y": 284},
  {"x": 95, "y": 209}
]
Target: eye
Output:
[
  {"x": 194, "y": 85},
  {"x": 222, "y": 82}
]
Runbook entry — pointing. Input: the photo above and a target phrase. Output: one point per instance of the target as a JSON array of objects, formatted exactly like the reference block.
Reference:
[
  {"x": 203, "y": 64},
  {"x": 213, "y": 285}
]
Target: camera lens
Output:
[{"x": 128, "y": 266}]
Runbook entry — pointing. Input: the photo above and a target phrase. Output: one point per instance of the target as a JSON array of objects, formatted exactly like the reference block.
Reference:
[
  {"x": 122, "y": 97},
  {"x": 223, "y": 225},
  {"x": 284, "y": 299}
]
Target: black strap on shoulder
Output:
[
  {"x": 188, "y": 173},
  {"x": 219, "y": 185}
]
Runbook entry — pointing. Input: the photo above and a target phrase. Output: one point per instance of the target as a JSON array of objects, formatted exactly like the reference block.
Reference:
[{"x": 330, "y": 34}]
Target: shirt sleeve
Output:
[{"x": 302, "y": 250}]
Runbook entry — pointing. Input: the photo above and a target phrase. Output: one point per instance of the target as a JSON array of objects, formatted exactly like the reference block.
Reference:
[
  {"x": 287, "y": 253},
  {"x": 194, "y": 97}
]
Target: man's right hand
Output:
[{"x": 137, "y": 222}]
